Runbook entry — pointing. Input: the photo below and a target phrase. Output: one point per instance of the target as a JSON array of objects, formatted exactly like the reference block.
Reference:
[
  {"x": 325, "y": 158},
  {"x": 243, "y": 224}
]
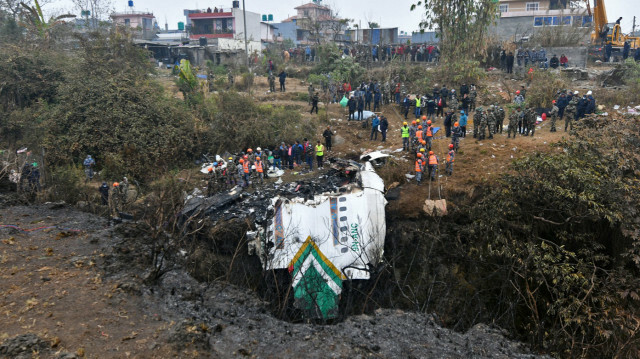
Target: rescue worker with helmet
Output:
[
  {"x": 419, "y": 167},
  {"x": 450, "y": 158},
  {"x": 432, "y": 163},
  {"x": 405, "y": 133}
]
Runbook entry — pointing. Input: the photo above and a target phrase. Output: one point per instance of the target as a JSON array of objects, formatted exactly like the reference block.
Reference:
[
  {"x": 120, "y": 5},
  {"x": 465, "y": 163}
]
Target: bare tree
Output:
[{"x": 99, "y": 9}]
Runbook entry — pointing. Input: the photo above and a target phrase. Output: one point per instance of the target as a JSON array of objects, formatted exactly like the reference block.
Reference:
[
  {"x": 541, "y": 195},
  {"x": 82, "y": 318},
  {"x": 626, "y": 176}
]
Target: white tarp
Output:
[{"x": 349, "y": 228}]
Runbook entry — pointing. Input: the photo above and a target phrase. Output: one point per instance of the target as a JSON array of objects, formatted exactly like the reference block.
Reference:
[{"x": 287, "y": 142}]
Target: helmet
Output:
[
  {"x": 249, "y": 150},
  {"x": 241, "y": 160},
  {"x": 230, "y": 158},
  {"x": 258, "y": 158},
  {"x": 589, "y": 93},
  {"x": 462, "y": 112},
  {"x": 456, "y": 124},
  {"x": 424, "y": 118},
  {"x": 417, "y": 120},
  {"x": 451, "y": 145},
  {"x": 246, "y": 157},
  {"x": 423, "y": 142},
  {"x": 258, "y": 149},
  {"x": 422, "y": 150},
  {"x": 430, "y": 152},
  {"x": 215, "y": 164},
  {"x": 518, "y": 92},
  {"x": 429, "y": 122},
  {"x": 210, "y": 169},
  {"x": 405, "y": 123},
  {"x": 576, "y": 92},
  {"x": 420, "y": 127},
  {"x": 413, "y": 122},
  {"x": 116, "y": 184},
  {"x": 419, "y": 155},
  {"x": 554, "y": 101}
]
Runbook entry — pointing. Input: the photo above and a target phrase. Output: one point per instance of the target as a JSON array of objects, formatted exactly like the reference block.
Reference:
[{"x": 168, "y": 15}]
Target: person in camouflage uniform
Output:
[
  {"x": 570, "y": 113},
  {"x": 491, "y": 121},
  {"x": 272, "y": 83},
  {"x": 531, "y": 117},
  {"x": 514, "y": 118},
  {"x": 500, "y": 115},
  {"x": 473, "y": 94},
  {"x": 453, "y": 101},
  {"x": 476, "y": 122},
  {"x": 481, "y": 118},
  {"x": 554, "y": 116}
]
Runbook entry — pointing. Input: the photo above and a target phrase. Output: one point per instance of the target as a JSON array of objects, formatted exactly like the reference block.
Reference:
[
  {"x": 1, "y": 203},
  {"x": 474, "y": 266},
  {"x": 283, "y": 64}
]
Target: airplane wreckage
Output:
[{"x": 323, "y": 230}]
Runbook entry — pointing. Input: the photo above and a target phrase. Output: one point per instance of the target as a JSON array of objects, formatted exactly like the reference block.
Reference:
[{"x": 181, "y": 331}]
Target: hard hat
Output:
[
  {"x": 430, "y": 152},
  {"x": 258, "y": 149},
  {"x": 462, "y": 112},
  {"x": 419, "y": 155},
  {"x": 417, "y": 120},
  {"x": 35, "y": 164},
  {"x": 589, "y": 92},
  {"x": 215, "y": 164},
  {"x": 258, "y": 158},
  {"x": 554, "y": 101},
  {"x": 241, "y": 160},
  {"x": 405, "y": 123},
  {"x": 413, "y": 122},
  {"x": 451, "y": 145},
  {"x": 422, "y": 150},
  {"x": 246, "y": 157},
  {"x": 423, "y": 142},
  {"x": 518, "y": 92},
  {"x": 576, "y": 92},
  {"x": 429, "y": 122},
  {"x": 230, "y": 158},
  {"x": 249, "y": 150},
  {"x": 456, "y": 124},
  {"x": 116, "y": 184},
  {"x": 210, "y": 169},
  {"x": 424, "y": 118},
  {"x": 420, "y": 127}
]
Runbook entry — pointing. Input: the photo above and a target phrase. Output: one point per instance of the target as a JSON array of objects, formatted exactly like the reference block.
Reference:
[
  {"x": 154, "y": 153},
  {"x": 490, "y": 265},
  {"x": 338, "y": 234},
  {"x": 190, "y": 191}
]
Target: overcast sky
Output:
[{"x": 388, "y": 13}]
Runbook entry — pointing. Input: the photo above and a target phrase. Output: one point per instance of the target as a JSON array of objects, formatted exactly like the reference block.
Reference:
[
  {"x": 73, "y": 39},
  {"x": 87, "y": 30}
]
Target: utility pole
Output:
[
  {"x": 633, "y": 32},
  {"x": 246, "y": 45}
]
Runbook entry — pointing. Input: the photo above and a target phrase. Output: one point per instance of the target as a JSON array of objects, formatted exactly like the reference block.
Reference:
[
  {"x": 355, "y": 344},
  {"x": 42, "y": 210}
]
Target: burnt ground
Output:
[{"x": 72, "y": 294}]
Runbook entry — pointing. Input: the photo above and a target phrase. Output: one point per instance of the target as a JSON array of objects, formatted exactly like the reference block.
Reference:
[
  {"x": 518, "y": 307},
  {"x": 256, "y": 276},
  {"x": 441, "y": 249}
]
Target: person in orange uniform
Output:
[
  {"x": 429, "y": 134},
  {"x": 432, "y": 162},
  {"x": 419, "y": 167},
  {"x": 450, "y": 158},
  {"x": 246, "y": 170},
  {"x": 259, "y": 169}
]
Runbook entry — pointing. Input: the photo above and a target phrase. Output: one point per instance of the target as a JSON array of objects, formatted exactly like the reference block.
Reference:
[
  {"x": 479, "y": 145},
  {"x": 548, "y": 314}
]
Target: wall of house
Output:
[{"x": 253, "y": 24}]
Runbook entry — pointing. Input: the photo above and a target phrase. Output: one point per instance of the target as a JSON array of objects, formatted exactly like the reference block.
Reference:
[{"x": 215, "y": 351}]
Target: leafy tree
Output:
[
  {"x": 462, "y": 25},
  {"x": 110, "y": 108}
]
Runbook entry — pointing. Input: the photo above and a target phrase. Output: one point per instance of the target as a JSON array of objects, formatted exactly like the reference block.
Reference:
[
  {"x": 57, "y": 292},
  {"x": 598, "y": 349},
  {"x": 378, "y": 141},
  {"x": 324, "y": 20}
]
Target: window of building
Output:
[
  {"x": 127, "y": 22},
  {"x": 533, "y": 6},
  {"x": 504, "y": 8},
  {"x": 586, "y": 21},
  {"x": 566, "y": 20},
  {"x": 306, "y": 12},
  {"x": 538, "y": 21}
]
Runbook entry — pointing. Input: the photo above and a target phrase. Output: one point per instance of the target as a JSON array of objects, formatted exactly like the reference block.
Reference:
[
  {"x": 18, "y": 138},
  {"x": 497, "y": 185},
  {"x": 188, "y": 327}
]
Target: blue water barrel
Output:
[{"x": 130, "y": 3}]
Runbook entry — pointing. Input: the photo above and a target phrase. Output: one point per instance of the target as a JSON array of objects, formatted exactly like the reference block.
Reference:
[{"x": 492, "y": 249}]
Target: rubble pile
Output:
[{"x": 242, "y": 203}]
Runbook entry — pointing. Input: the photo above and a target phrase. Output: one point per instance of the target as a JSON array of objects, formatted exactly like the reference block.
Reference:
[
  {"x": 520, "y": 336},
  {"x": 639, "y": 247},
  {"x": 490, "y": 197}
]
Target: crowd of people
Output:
[{"x": 248, "y": 167}]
